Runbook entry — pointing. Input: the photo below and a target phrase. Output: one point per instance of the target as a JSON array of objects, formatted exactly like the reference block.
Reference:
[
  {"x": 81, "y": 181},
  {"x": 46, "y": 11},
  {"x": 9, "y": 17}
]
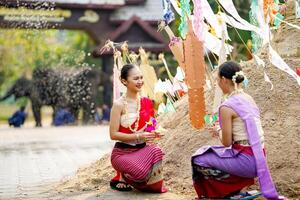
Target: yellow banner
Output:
[{"x": 22, "y": 11}]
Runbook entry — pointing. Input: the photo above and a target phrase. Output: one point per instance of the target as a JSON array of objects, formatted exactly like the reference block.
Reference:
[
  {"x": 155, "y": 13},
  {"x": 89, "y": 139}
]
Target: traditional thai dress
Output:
[
  {"x": 139, "y": 164},
  {"x": 220, "y": 171}
]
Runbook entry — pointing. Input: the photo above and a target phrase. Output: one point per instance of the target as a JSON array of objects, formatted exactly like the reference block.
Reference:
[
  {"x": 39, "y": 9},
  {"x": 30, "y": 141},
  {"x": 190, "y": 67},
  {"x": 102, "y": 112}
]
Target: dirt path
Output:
[
  {"x": 112, "y": 195},
  {"x": 33, "y": 158}
]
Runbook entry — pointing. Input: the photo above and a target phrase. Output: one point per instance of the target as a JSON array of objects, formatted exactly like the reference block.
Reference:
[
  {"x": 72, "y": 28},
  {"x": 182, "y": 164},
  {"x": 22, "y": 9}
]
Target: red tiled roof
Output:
[
  {"x": 157, "y": 46},
  {"x": 134, "y": 19}
]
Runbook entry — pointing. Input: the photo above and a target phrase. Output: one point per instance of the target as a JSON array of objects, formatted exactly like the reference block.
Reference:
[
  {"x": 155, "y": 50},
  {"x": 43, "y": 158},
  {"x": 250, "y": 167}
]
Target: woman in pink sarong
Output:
[{"x": 136, "y": 159}]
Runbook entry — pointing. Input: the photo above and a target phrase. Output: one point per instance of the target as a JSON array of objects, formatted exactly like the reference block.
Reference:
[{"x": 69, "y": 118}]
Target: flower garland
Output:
[{"x": 136, "y": 124}]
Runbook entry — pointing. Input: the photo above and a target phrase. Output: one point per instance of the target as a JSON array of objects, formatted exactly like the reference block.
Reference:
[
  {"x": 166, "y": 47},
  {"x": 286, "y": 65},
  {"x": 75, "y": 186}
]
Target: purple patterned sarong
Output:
[
  {"x": 233, "y": 161},
  {"x": 249, "y": 113}
]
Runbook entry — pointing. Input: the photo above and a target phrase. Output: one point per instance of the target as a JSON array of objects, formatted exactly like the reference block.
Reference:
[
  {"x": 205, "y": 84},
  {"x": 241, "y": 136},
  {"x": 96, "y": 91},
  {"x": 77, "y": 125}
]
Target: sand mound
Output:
[
  {"x": 280, "y": 109},
  {"x": 280, "y": 117}
]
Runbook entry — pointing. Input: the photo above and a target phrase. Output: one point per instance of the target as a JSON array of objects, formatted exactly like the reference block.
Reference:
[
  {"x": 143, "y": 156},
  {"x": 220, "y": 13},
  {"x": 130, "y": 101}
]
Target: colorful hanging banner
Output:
[
  {"x": 168, "y": 13},
  {"x": 211, "y": 42},
  {"x": 195, "y": 77},
  {"x": 185, "y": 13},
  {"x": 198, "y": 23},
  {"x": 257, "y": 39}
]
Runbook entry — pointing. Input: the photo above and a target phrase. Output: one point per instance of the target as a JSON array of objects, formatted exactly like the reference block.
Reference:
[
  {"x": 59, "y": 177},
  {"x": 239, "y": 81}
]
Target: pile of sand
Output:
[
  {"x": 280, "y": 111},
  {"x": 280, "y": 117}
]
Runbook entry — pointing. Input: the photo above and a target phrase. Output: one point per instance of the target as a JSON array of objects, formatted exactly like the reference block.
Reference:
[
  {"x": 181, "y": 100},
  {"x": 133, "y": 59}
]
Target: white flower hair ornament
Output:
[{"x": 239, "y": 73}]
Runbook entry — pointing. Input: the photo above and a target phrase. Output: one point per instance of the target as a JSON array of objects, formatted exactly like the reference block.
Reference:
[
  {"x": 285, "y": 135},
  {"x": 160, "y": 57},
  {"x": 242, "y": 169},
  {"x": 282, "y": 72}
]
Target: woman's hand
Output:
[
  {"x": 214, "y": 130},
  {"x": 148, "y": 137},
  {"x": 158, "y": 135},
  {"x": 160, "y": 132}
]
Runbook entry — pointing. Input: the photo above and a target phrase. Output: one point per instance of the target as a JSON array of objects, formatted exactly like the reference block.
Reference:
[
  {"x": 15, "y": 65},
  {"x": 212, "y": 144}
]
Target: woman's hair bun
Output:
[{"x": 240, "y": 78}]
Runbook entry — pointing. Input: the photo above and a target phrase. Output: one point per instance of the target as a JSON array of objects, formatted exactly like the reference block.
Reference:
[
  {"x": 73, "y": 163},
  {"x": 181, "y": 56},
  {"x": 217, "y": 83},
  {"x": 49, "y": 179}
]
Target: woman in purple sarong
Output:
[{"x": 222, "y": 171}]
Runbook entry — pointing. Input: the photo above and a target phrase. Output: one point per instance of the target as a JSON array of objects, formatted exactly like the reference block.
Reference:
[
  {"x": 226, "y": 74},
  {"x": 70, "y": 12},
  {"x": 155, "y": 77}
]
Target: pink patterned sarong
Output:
[{"x": 140, "y": 165}]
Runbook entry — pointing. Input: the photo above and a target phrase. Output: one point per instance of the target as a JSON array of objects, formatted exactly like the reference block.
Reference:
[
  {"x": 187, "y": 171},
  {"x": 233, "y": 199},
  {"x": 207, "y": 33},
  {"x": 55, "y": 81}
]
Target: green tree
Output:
[{"x": 23, "y": 50}]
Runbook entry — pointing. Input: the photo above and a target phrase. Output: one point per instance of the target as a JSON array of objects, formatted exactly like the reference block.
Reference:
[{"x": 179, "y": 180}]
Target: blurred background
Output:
[{"x": 68, "y": 34}]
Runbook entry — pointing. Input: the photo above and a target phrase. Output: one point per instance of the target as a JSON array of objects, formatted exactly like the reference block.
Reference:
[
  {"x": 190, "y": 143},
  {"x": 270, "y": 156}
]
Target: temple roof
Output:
[
  {"x": 147, "y": 10},
  {"x": 137, "y": 33},
  {"x": 151, "y": 10}
]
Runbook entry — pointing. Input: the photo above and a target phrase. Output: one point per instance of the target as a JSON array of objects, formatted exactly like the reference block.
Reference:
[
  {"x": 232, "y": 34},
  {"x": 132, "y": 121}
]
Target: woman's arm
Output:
[
  {"x": 114, "y": 125},
  {"x": 226, "y": 115}
]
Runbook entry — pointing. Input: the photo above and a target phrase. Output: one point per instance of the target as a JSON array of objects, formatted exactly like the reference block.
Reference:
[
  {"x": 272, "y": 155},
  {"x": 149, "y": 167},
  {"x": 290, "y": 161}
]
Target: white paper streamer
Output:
[
  {"x": 179, "y": 85},
  {"x": 212, "y": 19},
  {"x": 175, "y": 6},
  {"x": 159, "y": 87},
  {"x": 208, "y": 85},
  {"x": 230, "y": 8},
  {"x": 214, "y": 44},
  {"x": 259, "y": 61},
  {"x": 179, "y": 74},
  {"x": 169, "y": 87},
  {"x": 161, "y": 108},
  {"x": 267, "y": 79},
  {"x": 278, "y": 62},
  {"x": 232, "y": 22},
  {"x": 238, "y": 22}
]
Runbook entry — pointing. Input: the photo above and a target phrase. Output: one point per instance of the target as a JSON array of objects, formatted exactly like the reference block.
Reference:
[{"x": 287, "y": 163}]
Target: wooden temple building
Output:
[{"x": 134, "y": 21}]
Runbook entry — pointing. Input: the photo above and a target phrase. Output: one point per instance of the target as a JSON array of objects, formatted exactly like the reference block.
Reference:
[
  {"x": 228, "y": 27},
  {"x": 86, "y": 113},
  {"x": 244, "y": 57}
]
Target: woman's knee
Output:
[{"x": 203, "y": 160}]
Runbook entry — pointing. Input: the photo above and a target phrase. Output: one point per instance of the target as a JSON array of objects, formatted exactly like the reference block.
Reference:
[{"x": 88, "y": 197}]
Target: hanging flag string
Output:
[{"x": 283, "y": 21}]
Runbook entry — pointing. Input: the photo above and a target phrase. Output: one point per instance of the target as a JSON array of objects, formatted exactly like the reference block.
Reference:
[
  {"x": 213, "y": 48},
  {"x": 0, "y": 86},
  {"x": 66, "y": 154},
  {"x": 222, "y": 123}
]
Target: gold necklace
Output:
[
  {"x": 136, "y": 124},
  {"x": 234, "y": 92}
]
